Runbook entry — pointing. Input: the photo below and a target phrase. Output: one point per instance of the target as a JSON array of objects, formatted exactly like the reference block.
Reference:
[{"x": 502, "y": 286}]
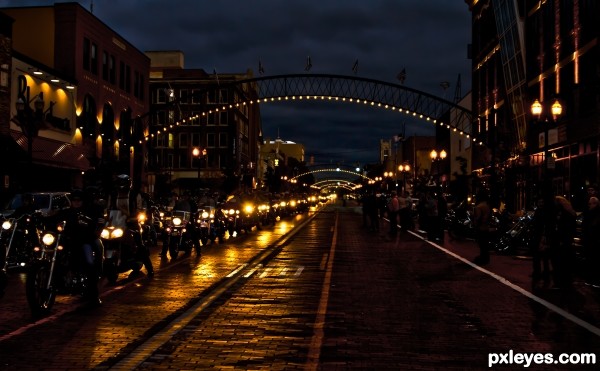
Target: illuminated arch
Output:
[
  {"x": 351, "y": 89},
  {"x": 336, "y": 186},
  {"x": 332, "y": 170}
]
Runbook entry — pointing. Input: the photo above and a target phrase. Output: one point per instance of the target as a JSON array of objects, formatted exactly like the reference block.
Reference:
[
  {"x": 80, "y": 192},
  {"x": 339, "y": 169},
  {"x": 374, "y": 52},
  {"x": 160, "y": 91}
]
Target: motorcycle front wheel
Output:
[
  {"x": 40, "y": 295},
  {"x": 111, "y": 272},
  {"x": 173, "y": 248}
]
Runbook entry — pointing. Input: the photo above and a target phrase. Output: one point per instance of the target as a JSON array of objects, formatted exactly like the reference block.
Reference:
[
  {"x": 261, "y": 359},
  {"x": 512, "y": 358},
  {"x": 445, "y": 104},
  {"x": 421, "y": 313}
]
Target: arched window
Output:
[
  {"x": 125, "y": 127},
  {"x": 107, "y": 129},
  {"x": 88, "y": 119}
]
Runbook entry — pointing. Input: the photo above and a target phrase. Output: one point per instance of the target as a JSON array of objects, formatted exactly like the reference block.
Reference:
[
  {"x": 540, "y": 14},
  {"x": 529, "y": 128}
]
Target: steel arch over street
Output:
[
  {"x": 357, "y": 90},
  {"x": 337, "y": 170}
]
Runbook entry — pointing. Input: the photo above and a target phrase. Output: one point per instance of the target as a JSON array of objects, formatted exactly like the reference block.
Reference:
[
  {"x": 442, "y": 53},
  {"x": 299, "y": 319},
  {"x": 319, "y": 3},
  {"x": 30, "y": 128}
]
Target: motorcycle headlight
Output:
[
  {"x": 48, "y": 239},
  {"x": 176, "y": 221},
  {"x": 6, "y": 225},
  {"x": 249, "y": 209},
  {"x": 141, "y": 218},
  {"x": 116, "y": 233},
  {"x": 282, "y": 204},
  {"x": 205, "y": 215},
  {"x": 293, "y": 203},
  {"x": 105, "y": 234},
  {"x": 231, "y": 211}
]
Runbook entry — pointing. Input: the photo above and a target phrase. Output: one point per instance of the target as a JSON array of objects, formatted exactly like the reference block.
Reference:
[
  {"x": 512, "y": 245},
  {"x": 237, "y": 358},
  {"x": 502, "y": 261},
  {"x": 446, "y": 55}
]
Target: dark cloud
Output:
[{"x": 428, "y": 38}]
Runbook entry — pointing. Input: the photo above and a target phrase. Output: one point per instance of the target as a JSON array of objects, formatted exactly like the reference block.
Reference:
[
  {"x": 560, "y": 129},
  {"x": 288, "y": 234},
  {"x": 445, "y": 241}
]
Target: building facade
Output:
[
  {"x": 95, "y": 87},
  {"x": 526, "y": 51},
  {"x": 205, "y": 128}
]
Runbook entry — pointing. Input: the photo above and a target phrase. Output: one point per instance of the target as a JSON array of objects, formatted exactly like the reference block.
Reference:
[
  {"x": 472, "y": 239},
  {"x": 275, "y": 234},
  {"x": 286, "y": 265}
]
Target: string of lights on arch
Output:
[
  {"x": 337, "y": 169},
  {"x": 236, "y": 105},
  {"x": 338, "y": 182}
]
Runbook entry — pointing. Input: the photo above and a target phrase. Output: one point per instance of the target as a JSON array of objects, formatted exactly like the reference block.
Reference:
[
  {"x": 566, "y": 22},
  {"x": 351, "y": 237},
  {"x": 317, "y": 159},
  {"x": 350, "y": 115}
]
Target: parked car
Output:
[{"x": 45, "y": 202}]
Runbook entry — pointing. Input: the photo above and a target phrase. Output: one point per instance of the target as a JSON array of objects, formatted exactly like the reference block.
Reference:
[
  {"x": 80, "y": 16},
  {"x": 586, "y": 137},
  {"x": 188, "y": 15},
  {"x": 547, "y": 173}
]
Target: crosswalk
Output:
[{"x": 267, "y": 272}]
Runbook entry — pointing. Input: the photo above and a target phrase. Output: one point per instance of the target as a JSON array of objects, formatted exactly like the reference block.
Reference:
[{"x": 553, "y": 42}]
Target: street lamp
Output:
[
  {"x": 199, "y": 154},
  {"x": 404, "y": 169},
  {"x": 30, "y": 121},
  {"x": 436, "y": 158},
  {"x": 537, "y": 110}
]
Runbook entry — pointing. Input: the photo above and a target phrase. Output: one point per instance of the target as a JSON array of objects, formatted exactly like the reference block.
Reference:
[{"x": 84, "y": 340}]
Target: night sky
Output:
[{"x": 426, "y": 38}]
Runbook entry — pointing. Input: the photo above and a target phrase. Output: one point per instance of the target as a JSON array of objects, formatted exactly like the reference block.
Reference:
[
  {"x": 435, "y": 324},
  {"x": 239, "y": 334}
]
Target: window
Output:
[
  {"x": 196, "y": 96},
  {"x": 170, "y": 161},
  {"x": 195, "y": 120},
  {"x": 212, "y": 96},
  {"x": 112, "y": 69},
  {"x": 184, "y": 96},
  {"x": 210, "y": 119},
  {"x": 160, "y": 118},
  {"x": 171, "y": 144},
  {"x": 184, "y": 159},
  {"x": 94, "y": 59},
  {"x": 183, "y": 140},
  {"x": 161, "y": 96},
  {"x": 122, "y": 75},
  {"x": 195, "y": 140},
  {"x": 224, "y": 96},
  {"x": 128, "y": 79},
  {"x": 142, "y": 87},
  {"x": 223, "y": 140},
  {"x": 105, "y": 66},
  {"x": 210, "y": 140},
  {"x": 136, "y": 84},
  {"x": 86, "y": 53},
  {"x": 223, "y": 118}
]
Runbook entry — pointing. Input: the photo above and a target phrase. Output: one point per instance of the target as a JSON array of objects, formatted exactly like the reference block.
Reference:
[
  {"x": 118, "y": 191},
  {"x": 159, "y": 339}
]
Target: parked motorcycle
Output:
[
  {"x": 177, "y": 234},
  {"x": 53, "y": 271},
  {"x": 18, "y": 237},
  {"x": 149, "y": 233},
  {"x": 459, "y": 222},
  {"x": 120, "y": 248},
  {"x": 518, "y": 238}
]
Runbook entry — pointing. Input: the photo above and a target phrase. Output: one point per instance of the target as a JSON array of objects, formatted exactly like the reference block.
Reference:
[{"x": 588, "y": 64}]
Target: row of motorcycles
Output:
[
  {"x": 512, "y": 235},
  {"x": 42, "y": 248}
]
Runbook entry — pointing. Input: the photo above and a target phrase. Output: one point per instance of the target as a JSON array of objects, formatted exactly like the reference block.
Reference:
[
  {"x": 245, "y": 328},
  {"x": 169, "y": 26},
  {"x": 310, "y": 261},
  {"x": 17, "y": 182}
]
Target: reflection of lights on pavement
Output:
[
  {"x": 284, "y": 226},
  {"x": 232, "y": 254},
  {"x": 205, "y": 270},
  {"x": 263, "y": 240}
]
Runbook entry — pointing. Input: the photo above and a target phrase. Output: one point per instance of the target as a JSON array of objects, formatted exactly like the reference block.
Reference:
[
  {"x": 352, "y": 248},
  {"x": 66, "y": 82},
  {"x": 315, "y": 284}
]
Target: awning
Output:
[{"x": 50, "y": 152}]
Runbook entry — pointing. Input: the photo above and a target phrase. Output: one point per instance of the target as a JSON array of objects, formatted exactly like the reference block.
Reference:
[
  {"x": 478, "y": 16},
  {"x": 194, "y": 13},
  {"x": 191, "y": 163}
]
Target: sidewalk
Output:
[{"x": 581, "y": 300}]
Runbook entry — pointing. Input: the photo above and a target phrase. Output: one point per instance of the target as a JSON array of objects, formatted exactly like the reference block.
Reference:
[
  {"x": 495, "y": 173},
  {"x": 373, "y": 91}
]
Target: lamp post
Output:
[
  {"x": 30, "y": 120},
  {"x": 198, "y": 153},
  {"x": 436, "y": 158},
  {"x": 404, "y": 169},
  {"x": 388, "y": 175},
  {"x": 537, "y": 110}
]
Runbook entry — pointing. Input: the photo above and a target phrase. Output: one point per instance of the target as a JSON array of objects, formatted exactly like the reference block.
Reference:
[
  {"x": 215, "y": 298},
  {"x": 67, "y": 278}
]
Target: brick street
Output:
[{"x": 334, "y": 296}]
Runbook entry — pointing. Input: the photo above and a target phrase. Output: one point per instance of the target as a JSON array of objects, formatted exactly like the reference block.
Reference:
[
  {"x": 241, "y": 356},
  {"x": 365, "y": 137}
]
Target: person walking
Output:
[
  {"x": 481, "y": 222},
  {"x": 544, "y": 232},
  {"x": 393, "y": 209},
  {"x": 563, "y": 258},
  {"x": 372, "y": 211},
  {"x": 431, "y": 211},
  {"x": 404, "y": 213},
  {"x": 591, "y": 241},
  {"x": 442, "y": 207}
]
